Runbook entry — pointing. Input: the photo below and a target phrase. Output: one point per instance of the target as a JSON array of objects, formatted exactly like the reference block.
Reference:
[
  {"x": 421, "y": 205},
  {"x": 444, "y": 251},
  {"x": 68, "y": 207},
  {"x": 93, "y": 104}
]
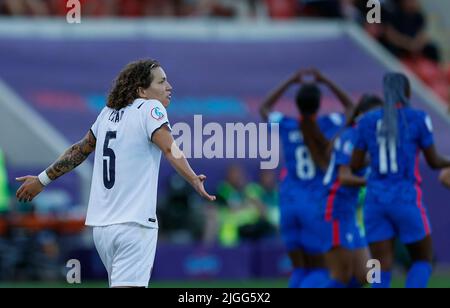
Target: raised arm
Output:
[
  {"x": 164, "y": 140},
  {"x": 274, "y": 96},
  {"x": 71, "y": 158},
  {"x": 345, "y": 100}
]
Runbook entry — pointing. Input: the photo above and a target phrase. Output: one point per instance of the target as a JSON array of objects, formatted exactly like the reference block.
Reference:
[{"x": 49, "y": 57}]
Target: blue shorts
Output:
[
  {"x": 342, "y": 230},
  {"x": 345, "y": 233},
  {"x": 300, "y": 224},
  {"x": 360, "y": 241},
  {"x": 407, "y": 220}
]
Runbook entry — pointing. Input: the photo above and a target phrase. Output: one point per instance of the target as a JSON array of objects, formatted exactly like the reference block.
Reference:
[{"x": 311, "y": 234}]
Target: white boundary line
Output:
[
  {"x": 55, "y": 140},
  {"x": 192, "y": 29}
]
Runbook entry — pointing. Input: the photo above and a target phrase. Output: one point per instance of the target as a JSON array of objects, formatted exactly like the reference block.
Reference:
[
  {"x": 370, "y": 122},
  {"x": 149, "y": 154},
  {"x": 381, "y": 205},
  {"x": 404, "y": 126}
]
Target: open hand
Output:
[
  {"x": 318, "y": 76},
  {"x": 444, "y": 177},
  {"x": 30, "y": 188},
  {"x": 198, "y": 185}
]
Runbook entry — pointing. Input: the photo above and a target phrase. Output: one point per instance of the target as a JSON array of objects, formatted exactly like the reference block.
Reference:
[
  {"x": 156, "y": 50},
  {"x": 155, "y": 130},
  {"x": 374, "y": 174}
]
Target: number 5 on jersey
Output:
[{"x": 109, "y": 161}]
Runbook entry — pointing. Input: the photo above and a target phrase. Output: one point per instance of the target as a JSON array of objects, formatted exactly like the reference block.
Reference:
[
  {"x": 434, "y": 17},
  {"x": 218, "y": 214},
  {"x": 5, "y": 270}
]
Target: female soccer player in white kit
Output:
[{"x": 128, "y": 137}]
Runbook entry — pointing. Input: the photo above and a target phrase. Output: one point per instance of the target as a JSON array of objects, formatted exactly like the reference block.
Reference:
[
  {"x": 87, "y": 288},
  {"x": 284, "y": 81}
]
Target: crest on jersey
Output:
[{"x": 157, "y": 114}]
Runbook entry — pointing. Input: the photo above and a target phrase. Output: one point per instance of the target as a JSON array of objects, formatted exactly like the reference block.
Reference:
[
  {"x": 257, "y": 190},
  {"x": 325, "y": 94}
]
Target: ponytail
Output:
[{"x": 396, "y": 88}]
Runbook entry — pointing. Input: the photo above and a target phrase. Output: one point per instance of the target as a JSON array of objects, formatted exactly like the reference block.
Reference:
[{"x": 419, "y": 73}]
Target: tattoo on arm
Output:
[{"x": 73, "y": 157}]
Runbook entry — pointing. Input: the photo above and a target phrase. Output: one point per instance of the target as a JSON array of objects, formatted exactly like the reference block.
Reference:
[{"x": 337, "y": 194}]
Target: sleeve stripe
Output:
[
  {"x": 93, "y": 134},
  {"x": 151, "y": 137}
]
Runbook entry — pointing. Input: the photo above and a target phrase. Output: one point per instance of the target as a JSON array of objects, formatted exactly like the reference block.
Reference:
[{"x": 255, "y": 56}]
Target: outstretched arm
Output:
[
  {"x": 345, "y": 100},
  {"x": 71, "y": 158},
  {"x": 275, "y": 95},
  {"x": 445, "y": 177},
  {"x": 434, "y": 159},
  {"x": 164, "y": 140}
]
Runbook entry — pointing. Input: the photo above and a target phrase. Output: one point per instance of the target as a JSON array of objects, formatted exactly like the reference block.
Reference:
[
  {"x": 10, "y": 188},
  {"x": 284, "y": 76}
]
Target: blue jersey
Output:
[
  {"x": 303, "y": 176},
  {"x": 395, "y": 167},
  {"x": 342, "y": 200}
]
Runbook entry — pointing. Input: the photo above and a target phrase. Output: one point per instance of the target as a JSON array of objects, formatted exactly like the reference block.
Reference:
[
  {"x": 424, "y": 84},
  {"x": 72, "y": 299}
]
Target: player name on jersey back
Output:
[{"x": 126, "y": 165}]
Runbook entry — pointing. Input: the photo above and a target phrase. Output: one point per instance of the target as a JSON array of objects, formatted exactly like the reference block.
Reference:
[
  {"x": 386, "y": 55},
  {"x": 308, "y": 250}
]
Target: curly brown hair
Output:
[{"x": 125, "y": 87}]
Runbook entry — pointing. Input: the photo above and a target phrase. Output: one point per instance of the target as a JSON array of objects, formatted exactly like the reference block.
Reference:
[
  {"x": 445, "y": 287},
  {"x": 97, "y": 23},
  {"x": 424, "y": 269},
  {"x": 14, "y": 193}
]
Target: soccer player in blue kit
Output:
[
  {"x": 394, "y": 136},
  {"x": 346, "y": 247},
  {"x": 302, "y": 189}
]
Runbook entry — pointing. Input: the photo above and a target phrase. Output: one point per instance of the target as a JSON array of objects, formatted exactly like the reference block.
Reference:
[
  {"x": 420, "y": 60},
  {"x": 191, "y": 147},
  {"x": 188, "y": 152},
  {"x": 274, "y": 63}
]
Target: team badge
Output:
[{"x": 157, "y": 114}]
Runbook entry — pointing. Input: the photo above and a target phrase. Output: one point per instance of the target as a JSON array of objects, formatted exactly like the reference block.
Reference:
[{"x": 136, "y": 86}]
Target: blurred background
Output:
[{"x": 222, "y": 57}]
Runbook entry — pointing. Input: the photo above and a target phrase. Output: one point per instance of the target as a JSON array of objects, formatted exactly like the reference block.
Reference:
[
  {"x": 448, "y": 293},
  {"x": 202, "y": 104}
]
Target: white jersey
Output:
[{"x": 126, "y": 165}]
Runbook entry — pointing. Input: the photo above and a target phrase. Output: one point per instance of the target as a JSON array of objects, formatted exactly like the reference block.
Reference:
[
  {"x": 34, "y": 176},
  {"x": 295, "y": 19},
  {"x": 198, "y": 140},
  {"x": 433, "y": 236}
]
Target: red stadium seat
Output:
[
  {"x": 448, "y": 74},
  {"x": 88, "y": 7},
  {"x": 3, "y": 226},
  {"x": 424, "y": 68},
  {"x": 282, "y": 9},
  {"x": 374, "y": 30},
  {"x": 132, "y": 8},
  {"x": 441, "y": 88},
  {"x": 436, "y": 78},
  {"x": 70, "y": 226}
]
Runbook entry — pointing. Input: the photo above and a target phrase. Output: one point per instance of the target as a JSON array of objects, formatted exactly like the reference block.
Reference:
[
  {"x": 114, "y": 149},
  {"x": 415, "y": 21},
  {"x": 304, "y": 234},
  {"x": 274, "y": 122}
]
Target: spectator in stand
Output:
[
  {"x": 265, "y": 195},
  {"x": 181, "y": 212},
  {"x": 89, "y": 8},
  {"x": 239, "y": 217},
  {"x": 25, "y": 7},
  {"x": 405, "y": 34},
  {"x": 321, "y": 8},
  {"x": 5, "y": 194}
]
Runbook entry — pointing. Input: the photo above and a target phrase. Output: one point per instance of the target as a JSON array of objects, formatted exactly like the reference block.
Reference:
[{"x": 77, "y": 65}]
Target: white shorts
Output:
[{"x": 127, "y": 251}]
